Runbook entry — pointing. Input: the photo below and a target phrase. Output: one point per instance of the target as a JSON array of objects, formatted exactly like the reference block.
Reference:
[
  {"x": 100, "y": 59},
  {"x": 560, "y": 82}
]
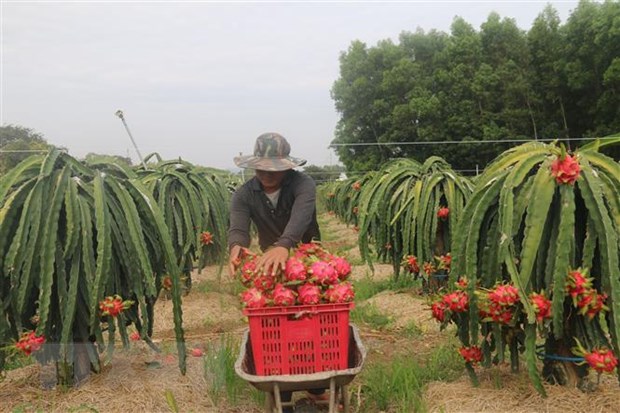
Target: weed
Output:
[
  {"x": 367, "y": 287},
  {"x": 395, "y": 386},
  {"x": 398, "y": 385},
  {"x": 210, "y": 286},
  {"x": 223, "y": 383},
  {"x": 412, "y": 330},
  {"x": 444, "y": 363},
  {"x": 17, "y": 361},
  {"x": 370, "y": 315}
]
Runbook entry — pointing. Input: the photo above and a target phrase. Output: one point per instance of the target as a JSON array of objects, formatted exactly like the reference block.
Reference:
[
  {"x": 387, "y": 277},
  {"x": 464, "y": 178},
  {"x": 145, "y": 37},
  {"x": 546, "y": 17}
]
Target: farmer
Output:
[
  {"x": 279, "y": 200},
  {"x": 282, "y": 204}
]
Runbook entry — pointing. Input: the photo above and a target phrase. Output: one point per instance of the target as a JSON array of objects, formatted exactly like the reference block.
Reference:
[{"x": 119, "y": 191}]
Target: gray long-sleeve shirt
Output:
[{"x": 291, "y": 221}]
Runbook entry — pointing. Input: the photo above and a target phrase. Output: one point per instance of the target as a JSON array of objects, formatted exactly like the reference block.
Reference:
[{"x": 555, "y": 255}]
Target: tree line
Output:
[{"x": 496, "y": 84}]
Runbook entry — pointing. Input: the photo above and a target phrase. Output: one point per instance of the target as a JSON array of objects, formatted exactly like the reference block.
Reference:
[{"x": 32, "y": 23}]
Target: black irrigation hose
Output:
[{"x": 542, "y": 356}]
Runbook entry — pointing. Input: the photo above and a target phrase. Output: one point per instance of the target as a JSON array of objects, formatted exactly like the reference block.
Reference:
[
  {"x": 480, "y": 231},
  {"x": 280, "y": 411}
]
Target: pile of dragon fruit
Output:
[{"x": 312, "y": 276}]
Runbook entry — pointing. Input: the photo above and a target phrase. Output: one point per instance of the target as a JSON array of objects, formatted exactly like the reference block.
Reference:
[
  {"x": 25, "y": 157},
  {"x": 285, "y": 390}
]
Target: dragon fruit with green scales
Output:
[
  {"x": 340, "y": 293},
  {"x": 323, "y": 273}
]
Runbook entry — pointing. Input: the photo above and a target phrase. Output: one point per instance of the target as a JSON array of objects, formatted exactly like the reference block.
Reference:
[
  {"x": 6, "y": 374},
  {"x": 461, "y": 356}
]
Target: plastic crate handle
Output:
[{"x": 298, "y": 315}]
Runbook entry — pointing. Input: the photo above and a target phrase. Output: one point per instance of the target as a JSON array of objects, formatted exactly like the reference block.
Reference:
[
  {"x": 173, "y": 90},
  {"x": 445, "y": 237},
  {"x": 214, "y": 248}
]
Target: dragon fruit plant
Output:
[
  {"x": 74, "y": 239},
  {"x": 540, "y": 252},
  {"x": 311, "y": 276},
  {"x": 410, "y": 209}
]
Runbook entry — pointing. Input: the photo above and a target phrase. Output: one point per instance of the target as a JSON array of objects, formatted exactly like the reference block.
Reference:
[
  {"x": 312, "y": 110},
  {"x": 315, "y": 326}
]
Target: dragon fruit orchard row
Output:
[{"x": 311, "y": 276}]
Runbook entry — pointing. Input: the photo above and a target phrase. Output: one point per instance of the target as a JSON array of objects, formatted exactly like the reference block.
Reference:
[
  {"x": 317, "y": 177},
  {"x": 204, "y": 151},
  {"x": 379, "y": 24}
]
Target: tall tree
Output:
[{"x": 17, "y": 143}]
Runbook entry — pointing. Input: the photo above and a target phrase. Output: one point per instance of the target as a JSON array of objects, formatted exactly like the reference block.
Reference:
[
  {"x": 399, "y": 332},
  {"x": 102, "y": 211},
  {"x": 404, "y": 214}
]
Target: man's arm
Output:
[{"x": 239, "y": 230}]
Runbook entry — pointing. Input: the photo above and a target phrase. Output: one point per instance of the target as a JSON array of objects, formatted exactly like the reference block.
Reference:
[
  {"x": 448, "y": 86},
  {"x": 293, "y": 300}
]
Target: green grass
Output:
[
  {"x": 223, "y": 383},
  {"x": 412, "y": 330},
  {"x": 209, "y": 286},
  {"x": 17, "y": 361},
  {"x": 370, "y": 315},
  {"x": 367, "y": 287},
  {"x": 398, "y": 385}
]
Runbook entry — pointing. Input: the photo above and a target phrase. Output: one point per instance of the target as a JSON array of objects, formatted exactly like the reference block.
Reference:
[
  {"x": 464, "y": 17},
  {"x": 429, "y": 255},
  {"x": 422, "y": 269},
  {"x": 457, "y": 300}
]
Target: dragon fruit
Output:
[
  {"x": 504, "y": 294},
  {"x": 295, "y": 270},
  {"x": 114, "y": 305},
  {"x": 248, "y": 273},
  {"x": 324, "y": 273},
  {"x": 308, "y": 294},
  {"x": 542, "y": 305},
  {"x": 264, "y": 283},
  {"x": 457, "y": 302},
  {"x": 471, "y": 354},
  {"x": 308, "y": 250},
  {"x": 340, "y": 293},
  {"x": 253, "y": 298},
  {"x": 283, "y": 296},
  {"x": 565, "y": 170},
  {"x": 342, "y": 267},
  {"x": 443, "y": 213},
  {"x": 439, "y": 309},
  {"x": 601, "y": 360},
  {"x": 30, "y": 342},
  {"x": 410, "y": 263}
]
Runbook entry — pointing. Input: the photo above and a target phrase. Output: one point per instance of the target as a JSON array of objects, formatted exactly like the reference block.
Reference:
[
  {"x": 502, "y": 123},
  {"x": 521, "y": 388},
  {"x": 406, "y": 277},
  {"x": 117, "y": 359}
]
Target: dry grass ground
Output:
[{"x": 138, "y": 379}]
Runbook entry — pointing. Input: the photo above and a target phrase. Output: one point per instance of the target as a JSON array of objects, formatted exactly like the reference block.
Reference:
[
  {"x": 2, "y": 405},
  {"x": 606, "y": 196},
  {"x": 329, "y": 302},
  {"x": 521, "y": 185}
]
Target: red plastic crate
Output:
[{"x": 301, "y": 339}]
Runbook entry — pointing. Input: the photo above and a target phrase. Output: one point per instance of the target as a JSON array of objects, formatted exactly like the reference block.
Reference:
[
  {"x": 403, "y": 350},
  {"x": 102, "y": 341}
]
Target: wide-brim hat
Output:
[{"x": 271, "y": 153}]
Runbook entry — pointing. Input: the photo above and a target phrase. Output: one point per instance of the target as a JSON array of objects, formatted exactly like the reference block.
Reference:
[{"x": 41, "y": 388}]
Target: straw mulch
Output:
[
  {"x": 127, "y": 384},
  {"x": 502, "y": 391}
]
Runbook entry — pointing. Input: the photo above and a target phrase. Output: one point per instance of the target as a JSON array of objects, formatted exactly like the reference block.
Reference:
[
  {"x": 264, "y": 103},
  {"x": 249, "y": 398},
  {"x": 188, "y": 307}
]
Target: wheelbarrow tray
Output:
[{"x": 244, "y": 367}]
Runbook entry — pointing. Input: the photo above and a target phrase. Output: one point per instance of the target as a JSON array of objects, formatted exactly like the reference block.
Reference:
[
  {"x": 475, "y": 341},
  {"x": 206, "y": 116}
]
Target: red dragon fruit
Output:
[
  {"x": 114, "y": 305},
  {"x": 340, "y": 293},
  {"x": 342, "y": 267},
  {"x": 308, "y": 294},
  {"x": 504, "y": 294},
  {"x": 30, "y": 342},
  {"x": 324, "y": 273},
  {"x": 309, "y": 249},
  {"x": 462, "y": 283},
  {"x": 295, "y": 270},
  {"x": 542, "y": 305},
  {"x": 457, "y": 302},
  {"x": 601, "y": 360},
  {"x": 565, "y": 170},
  {"x": 264, "y": 283},
  {"x": 443, "y": 213},
  {"x": 471, "y": 354},
  {"x": 410, "y": 263},
  {"x": 439, "y": 309},
  {"x": 248, "y": 273},
  {"x": 283, "y": 296},
  {"x": 577, "y": 283},
  {"x": 253, "y": 298},
  {"x": 501, "y": 314}
]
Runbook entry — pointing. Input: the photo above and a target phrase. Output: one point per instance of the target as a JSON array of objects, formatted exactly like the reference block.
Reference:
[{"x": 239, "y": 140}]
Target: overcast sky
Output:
[{"x": 200, "y": 80}]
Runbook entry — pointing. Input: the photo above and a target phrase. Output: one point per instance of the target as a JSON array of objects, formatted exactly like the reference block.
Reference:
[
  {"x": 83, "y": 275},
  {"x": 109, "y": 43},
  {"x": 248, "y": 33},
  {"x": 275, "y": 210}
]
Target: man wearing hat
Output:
[{"x": 279, "y": 200}]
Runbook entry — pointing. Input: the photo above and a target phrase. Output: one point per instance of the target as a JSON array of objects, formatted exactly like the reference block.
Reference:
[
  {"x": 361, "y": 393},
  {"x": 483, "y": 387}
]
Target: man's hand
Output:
[
  {"x": 233, "y": 260},
  {"x": 275, "y": 258}
]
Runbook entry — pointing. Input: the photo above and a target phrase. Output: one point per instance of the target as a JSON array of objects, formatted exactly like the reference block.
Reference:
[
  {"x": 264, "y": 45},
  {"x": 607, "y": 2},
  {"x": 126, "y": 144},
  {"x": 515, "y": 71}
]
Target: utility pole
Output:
[{"x": 119, "y": 113}]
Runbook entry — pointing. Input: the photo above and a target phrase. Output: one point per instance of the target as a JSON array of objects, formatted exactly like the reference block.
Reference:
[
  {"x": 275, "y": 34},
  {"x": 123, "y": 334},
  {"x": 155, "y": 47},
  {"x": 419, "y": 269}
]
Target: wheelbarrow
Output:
[{"x": 335, "y": 380}]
